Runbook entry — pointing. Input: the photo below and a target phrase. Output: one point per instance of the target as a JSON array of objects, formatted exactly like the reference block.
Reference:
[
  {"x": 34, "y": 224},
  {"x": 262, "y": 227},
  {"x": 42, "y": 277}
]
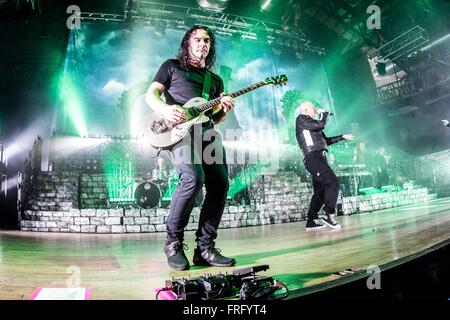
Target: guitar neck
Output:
[{"x": 211, "y": 103}]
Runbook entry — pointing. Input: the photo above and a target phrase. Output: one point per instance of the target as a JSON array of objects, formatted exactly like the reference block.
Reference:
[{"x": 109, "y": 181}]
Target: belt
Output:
[{"x": 320, "y": 152}]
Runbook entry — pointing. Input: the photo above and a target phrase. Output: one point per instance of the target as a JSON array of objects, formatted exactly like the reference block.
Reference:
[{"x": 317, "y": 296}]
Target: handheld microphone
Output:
[{"x": 329, "y": 113}]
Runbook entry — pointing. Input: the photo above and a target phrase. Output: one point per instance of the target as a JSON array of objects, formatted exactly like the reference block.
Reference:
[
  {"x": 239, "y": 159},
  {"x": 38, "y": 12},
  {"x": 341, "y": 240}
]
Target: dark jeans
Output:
[
  {"x": 325, "y": 184},
  {"x": 194, "y": 171}
]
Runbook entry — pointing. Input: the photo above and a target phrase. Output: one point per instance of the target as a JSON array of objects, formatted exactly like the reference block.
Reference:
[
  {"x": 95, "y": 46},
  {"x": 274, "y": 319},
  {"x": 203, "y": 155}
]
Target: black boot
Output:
[
  {"x": 176, "y": 259},
  {"x": 211, "y": 257}
]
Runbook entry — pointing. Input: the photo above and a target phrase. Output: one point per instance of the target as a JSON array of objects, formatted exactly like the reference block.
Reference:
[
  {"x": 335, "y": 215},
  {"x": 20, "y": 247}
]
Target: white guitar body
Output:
[
  {"x": 174, "y": 133},
  {"x": 162, "y": 133}
]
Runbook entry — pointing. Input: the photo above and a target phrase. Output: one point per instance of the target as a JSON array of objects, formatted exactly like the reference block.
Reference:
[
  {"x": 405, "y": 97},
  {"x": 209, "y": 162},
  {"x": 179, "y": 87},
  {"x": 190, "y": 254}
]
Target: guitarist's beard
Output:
[{"x": 199, "y": 62}]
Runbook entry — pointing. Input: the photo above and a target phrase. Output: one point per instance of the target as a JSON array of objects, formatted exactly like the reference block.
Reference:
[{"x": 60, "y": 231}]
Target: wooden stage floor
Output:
[{"x": 130, "y": 266}]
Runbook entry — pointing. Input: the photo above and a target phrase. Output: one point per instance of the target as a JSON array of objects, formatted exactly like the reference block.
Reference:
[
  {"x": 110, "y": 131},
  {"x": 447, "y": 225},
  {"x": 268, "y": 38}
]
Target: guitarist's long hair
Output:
[{"x": 183, "y": 52}]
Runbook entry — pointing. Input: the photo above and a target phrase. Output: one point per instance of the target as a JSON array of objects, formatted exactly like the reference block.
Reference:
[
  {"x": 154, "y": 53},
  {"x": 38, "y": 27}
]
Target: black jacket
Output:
[{"x": 310, "y": 136}]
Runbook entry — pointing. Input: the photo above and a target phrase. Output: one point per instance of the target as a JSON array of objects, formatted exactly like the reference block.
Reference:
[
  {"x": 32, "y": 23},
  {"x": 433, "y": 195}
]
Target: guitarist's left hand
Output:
[{"x": 227, "y": 102}]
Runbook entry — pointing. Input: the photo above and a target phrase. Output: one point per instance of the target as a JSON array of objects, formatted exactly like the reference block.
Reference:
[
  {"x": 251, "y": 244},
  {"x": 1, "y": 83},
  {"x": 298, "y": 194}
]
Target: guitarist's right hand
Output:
[{"x": 174, "y": 113}]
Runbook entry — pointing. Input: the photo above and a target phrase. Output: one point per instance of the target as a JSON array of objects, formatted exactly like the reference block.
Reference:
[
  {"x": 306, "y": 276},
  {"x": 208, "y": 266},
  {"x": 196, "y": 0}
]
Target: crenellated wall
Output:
[{"x": 284, "y": 198}]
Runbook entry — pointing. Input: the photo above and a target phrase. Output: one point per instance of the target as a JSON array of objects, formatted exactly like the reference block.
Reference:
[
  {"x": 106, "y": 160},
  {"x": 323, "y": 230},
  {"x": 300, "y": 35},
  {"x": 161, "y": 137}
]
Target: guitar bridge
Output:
[{"x": 159, "y": 126}]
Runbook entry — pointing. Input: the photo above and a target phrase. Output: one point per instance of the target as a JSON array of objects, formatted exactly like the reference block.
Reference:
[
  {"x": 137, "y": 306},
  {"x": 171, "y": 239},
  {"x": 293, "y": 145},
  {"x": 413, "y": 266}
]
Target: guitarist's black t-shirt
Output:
[{"x": 184, "y": 85}]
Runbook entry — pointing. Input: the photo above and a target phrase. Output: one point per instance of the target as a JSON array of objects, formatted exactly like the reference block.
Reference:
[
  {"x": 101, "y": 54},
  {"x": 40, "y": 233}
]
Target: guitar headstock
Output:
[{"x": 277, "y": 80}]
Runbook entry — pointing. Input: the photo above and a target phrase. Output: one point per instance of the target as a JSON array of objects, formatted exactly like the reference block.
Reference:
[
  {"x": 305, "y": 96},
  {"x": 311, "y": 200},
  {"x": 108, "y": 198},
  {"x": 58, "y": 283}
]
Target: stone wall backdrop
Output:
[
  {"x": 71, "y": 202},
  {"x": 93, "y": 191},
  {"x": 54, "y": 191}
]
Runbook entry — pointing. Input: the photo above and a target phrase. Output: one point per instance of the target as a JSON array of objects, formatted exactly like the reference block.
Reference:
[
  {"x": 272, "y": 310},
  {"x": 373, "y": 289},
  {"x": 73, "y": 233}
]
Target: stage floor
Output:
[{"x": 130, "y": 266}]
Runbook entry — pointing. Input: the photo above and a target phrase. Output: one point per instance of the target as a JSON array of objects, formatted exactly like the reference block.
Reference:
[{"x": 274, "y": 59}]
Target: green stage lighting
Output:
[{"x": 72, "y": 104}]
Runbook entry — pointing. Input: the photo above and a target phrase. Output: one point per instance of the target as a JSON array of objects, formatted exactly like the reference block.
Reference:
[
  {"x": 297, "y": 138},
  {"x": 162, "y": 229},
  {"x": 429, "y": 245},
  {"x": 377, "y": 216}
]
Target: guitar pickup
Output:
[
  {"x": 191, "y": 113},
  {"x": 159, "y": 127}
]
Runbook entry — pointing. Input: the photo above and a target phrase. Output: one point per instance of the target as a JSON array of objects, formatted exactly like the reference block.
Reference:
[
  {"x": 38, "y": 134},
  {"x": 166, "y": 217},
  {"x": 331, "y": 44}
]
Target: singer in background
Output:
[
  {"x": 314, "y": 145},
  {"x": 446, "y": 123}
]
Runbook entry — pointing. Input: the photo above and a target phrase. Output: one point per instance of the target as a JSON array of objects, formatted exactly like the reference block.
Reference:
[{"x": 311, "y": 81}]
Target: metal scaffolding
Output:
[
  {"x": 166, "y": 16},
  {"x": 402, "y": 46},
  {"x": 429, "y": 78}
]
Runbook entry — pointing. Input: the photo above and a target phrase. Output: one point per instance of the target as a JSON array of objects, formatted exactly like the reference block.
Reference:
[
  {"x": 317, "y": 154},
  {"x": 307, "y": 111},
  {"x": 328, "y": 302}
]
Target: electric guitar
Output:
[{"x": 162, "y": 133}]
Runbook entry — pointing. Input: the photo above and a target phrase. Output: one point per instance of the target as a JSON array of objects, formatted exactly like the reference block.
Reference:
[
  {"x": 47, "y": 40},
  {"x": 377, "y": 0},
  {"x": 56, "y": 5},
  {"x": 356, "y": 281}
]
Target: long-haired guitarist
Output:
[{"x": 180, "y": 80}]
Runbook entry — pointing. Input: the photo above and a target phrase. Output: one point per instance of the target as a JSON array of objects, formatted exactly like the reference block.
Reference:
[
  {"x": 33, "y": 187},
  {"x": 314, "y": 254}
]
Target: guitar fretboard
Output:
[{"x": 211, "y": 103}]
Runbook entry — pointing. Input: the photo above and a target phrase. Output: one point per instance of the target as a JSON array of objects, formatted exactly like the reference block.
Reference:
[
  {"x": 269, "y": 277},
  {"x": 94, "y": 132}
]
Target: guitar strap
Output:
[{"x": 206, "y": 85}]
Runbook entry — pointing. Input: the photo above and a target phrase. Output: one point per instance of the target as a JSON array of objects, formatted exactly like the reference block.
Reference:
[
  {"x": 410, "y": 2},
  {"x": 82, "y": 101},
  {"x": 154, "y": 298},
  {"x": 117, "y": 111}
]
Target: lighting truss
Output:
[
  {"x": 97, "y": 16},
  {"x": 432, "y": 77},
  {"x": 401, "y": 46},
  {"x": 180, "y": 17}
]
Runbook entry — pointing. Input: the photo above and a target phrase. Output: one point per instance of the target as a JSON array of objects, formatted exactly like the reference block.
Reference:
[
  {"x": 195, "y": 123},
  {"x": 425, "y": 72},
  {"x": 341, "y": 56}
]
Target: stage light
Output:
[
  {"x": 72, "y": 104},
  {"x": 66, "y": 145},
  {"x": 9, "y": 184},
  {"x": 213, "y": 4},
  {"x": 11, "y": 150},
  {"x": 381, "y": 68},
  {"x": 19, "y": 145},
  {"x": 265, "y": 5}
]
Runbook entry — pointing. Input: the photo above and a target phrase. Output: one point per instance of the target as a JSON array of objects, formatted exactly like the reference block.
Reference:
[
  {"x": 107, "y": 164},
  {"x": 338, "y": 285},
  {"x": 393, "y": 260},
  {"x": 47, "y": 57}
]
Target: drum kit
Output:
[
  {"x": 154, "y": 192},
  {"x": 147, "y": 195},
  {"x": 158, "y": 191}
]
